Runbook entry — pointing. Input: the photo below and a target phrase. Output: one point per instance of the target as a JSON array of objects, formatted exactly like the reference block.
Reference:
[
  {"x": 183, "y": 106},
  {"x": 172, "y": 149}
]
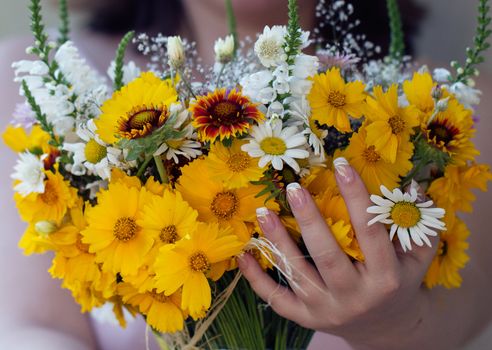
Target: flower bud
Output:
[
  {"x": 224, "y": 49},
  {"x": 436, "y": 93},
  {"x": 175, "y": 52},
  {"x": 442, "y": 105},
  {"x": 44, "y": 228}
]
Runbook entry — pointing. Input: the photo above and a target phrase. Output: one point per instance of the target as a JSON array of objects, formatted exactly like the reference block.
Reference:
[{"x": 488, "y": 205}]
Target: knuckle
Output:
[
  {"x": 392, "y": 284},
  {"x": 373, "y": 230},
  {"x": 326, "y": 261}
]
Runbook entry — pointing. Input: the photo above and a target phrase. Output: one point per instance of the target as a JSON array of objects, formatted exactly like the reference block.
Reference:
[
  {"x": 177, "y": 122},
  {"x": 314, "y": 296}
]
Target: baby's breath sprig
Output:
[
  {"x": 293, "y": 40},
  {"x": 120, "y": 60},
  {"x": 474, "y": 55},
  {"x": 397, "y": 42},
  {"x": 64, "y": 29},
  {"x": 40, "y": 116}
]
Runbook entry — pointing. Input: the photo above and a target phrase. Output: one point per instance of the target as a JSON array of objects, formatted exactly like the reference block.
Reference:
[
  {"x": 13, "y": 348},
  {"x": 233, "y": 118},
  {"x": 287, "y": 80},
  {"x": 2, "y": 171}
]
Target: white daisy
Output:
[
  {"x": 29, "y": 171},
  {"x": 187, "y": 146},
  {"x": 275, "y": 145},
  {"x": 407, "y": 218},
  {"x": 270, "y": 46},
  {"x": 92, "y": 154}
]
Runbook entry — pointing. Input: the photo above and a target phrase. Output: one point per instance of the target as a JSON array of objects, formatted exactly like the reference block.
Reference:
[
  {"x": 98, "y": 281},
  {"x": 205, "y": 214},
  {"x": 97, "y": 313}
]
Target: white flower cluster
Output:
[
  {"x": 282, "y": 89},
  {"x": 466, "y": 94}
]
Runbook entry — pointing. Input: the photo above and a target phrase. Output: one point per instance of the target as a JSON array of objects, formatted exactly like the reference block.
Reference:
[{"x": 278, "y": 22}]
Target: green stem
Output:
[
  {"x": 397, "y": 42},
  {"x": 120, "y": 60},
  {"x": 64, "y": 29},
  {"x": 231, "y": 22},
  {"x": 161, "y": 170},
  {"x": 144, "y": 166},
  {"x": 220, "y": 75},
  {"x": 187, "y": 84}
]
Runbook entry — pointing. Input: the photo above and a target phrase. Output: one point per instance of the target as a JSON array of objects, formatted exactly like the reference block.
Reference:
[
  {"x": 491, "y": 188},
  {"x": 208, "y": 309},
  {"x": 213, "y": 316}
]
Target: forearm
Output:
[{"x": 39, "y": 338}]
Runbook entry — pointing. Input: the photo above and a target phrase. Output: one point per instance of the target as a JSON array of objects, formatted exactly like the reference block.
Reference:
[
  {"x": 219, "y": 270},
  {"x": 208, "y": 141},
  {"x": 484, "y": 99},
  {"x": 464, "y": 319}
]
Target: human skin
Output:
[{"x": 38, "y": 312}]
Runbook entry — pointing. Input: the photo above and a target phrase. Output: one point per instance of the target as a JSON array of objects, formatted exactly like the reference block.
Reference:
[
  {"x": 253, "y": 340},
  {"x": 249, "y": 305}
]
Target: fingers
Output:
[
  {"x": 333, "y": 264},
  {"x": 282, "y": 300},
  {"x": 304, "y": 274},
  {"x": 373, "y": 240}
]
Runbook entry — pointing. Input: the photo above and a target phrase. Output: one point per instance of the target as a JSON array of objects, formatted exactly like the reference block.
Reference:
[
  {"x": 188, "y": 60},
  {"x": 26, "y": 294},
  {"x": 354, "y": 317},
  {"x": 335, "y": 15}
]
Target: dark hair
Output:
[{"x": 162, "y": 16}]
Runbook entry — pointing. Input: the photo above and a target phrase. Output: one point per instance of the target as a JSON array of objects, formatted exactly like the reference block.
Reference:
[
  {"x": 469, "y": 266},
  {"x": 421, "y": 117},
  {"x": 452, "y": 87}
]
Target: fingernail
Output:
[
  {"x": 264, "y": 219},
  {"x": 344, "y": 171},
  {"x": 295, "y": 195}
]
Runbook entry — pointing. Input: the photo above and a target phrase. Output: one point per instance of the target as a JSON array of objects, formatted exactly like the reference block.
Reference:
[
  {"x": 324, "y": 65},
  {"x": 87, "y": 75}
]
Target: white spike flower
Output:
[
  {"x": 410, "y": 220},
  {"x": 270, "y": 46},
  {"x": 224, "y": 49}
]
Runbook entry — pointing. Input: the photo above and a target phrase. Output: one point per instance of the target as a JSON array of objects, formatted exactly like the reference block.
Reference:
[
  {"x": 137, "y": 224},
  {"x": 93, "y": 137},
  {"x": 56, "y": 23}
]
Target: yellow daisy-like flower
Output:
[
  {"x": 162, "y": 312},
  {"x": 113, "y": 233},
  {"x": 223, "y": 114},
  {"x": 137, "y": 109},
  {"x": 451, "y": 256},
  {"x": 372, "y": 167},
  {"x": 216, "y": 203},
  {"x": 419, "y": 93},
  {"x": 390, "y": 125},
  {"x": 19, "y": 141},
  {"x": 168, "y": 217},
  {"x": 34, "y": 242},
  {"x": 451, "y": 131},
  {"x": 333, "y": 101},
  {"x": 187, "y": 264},
  {"x": 453, "y": 191},
  {"x": 51, "y": 205},
  {"x": 320, "y": 180},
  {"x": 232, "y": 165}
]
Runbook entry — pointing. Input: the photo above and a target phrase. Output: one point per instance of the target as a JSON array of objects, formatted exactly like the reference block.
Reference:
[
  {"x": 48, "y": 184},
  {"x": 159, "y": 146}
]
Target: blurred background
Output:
[{"x": 446, "y": 30}]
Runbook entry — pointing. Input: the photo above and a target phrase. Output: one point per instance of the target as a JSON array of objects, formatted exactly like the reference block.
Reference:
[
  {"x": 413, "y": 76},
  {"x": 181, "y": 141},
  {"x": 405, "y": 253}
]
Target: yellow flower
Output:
[
  {"x": 162, "y": 312},
  {"x": 168, "y": 217},
  {"x": 51, "y": 205},
  {"x": 451, "y": 256},
  {"x": 216, "y": 203},
  {"x": 319, "y": 180},
  {"x": 232, "y": 166},
  {"x": 333, "y": 101},
  {"x": 224, "y": 114},
  {"x": 451, "y": 131},
  {"x": 419, "y": 93},
  {"x": 453, "y": 191},
  {"x": 390, "y": 125},
  {"x": 19, "y": 141},
  {"x": 34, "y": 242},
  {"x": 137, "y": 109},
  {"x": 371, "y": 166},
  {"x": 113, "y": 233},
  {"x": 187, "y": 264}
]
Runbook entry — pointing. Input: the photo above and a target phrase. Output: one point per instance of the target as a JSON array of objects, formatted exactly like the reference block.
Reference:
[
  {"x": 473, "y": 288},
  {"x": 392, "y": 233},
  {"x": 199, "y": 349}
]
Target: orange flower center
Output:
[
  {"x": 225, "y": 111},
  {"x": 224, "y": 205},
  {"x": 397, "y": 124},
  {"x": 159, "y": 297},
  {"x": 169, "y": 234},
  {"x": 142, "y": 121},
  {"x": 50, "y": 195},
  {"x": 84, "y": 248},
  {"x": 125, "y": 229},
  {"x": 238, "y": 162},
  {"x": 405, "y": 214},
  {"x": 199, "y": 262},
  {"x": 336, "y": 99},
  {"x": 442, "y": 131},
  {"x": 370, "y": 155}
]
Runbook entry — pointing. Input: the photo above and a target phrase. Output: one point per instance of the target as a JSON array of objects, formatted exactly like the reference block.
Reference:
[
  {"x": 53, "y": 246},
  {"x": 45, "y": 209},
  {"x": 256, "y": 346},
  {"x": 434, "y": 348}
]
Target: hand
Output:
[{"x": 378, "y": 304}]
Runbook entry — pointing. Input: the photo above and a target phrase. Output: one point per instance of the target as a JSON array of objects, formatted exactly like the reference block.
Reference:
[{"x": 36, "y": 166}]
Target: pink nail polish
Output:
[
  {"x": 344, "y": 172},
  {"x": 264, "y": 218},
  {"x": 295, "y": 195}
]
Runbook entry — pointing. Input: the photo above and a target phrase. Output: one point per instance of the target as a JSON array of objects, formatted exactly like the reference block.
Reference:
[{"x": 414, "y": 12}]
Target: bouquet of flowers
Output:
[{"x": 146, "y": 188}]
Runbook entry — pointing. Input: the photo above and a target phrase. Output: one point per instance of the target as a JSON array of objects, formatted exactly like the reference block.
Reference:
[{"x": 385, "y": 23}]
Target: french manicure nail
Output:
[
  {"x": 344, "y": 170},
  {"x": 264, "y": 219},
  {"x": 295, "y": 195}
]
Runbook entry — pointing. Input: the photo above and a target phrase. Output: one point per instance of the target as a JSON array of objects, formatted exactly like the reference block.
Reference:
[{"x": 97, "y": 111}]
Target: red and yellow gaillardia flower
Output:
[{"x": 223, "y": 114}]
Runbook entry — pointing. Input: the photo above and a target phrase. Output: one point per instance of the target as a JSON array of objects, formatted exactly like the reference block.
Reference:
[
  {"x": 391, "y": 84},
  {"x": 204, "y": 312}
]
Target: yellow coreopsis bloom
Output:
[
  {"x": 372, "y": 167},
  {"x": 419, "y": 93},
  {"x": 113, "y": 233},
  {"x": 232, "y": 165},
  {"x": 333, "y": 101},
  {"x": 390, "y": 126},
  {"x": 162, "y": 312},
  {"x": 451, "y": 256},
  {"x": 453, "y": 191},
  {"x": 19, "y": 141},
  {"x": 137, "y": 109},
  {"x": 216, "y": 203},
  {"x": 51, "y": 205},
  {"x": 34, "y": 242},
  {"x": 188, "y": 262}
]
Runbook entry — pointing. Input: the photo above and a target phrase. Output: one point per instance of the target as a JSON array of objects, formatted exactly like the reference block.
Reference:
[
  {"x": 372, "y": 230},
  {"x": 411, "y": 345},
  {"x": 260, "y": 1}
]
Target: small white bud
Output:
[
  {"x": 175, "y": 52},
  {"x": 460, "y": 70},
  {"x": 44, "y": 228},
  {"x": 37, "y": 43},
  {"x": 52, "y": 44},
  {"x": 29, "y": 50},
  {"x": 224, "y": 49},
  {"x": 470, "y": 82},
  {"x": 442, "y": 105}
]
